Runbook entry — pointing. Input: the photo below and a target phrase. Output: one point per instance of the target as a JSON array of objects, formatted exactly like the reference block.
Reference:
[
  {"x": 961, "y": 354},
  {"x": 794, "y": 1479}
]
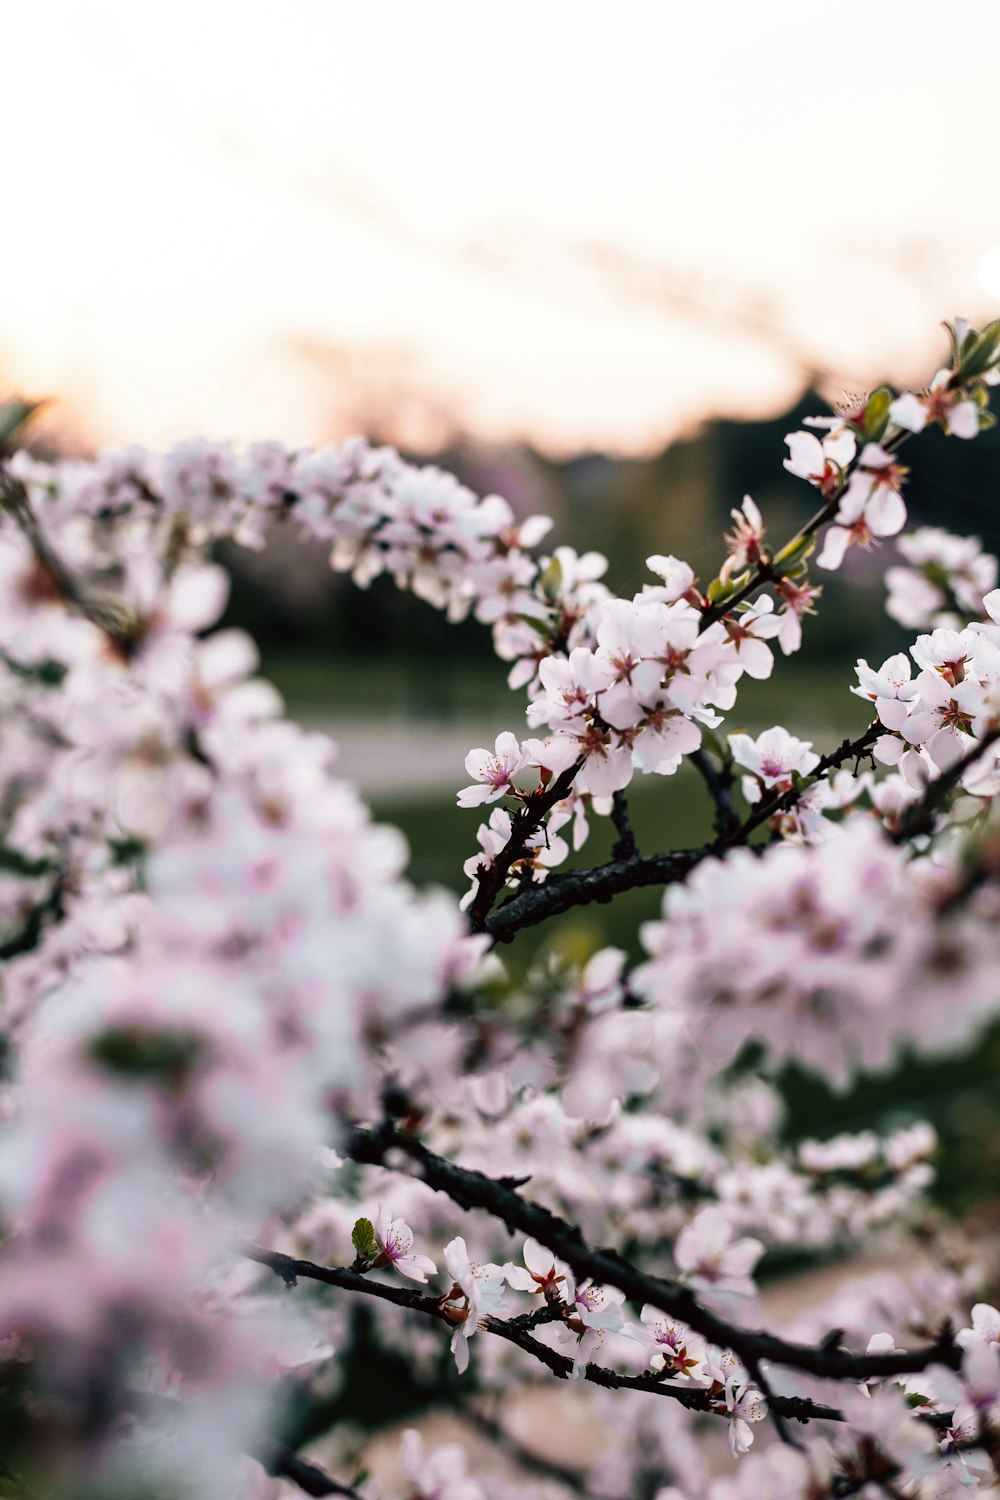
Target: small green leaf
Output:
[
  {"x": 797, "y": 550},
  {"x": 877, "y": 414},
  {"x": 364, "y": 1241},
  {"x": 551, "y": 579},
  {"x": 980, "y": 351},
  {"x": 721, "y": 589},
  {"x": 15, "y": 414},
  {"x": 544, "y": 627}
]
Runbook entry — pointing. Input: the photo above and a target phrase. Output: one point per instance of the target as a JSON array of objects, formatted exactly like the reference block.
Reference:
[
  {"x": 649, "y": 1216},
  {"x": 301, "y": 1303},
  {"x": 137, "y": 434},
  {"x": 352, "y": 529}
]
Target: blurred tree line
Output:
[{"x": 678, "y": 501}]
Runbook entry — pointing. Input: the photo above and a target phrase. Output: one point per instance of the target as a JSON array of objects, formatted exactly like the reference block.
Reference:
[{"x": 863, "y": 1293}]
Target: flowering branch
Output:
[
  {"x": 518, "y": 1331},
  {"x": 603, "y": 882},
  {"x": 472, "y": 1189},
  {"x": 526, "y": 821},
  {"x": 919, "y": 818}
]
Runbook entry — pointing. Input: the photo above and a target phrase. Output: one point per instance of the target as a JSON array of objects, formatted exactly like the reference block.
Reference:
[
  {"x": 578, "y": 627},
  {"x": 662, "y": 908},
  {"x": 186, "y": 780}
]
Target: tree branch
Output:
[
  {"x": 625, "y": 846},
  {"x": 581, "y": 887},
  {"x": 519, "y": 1332},
  {"x": 720, "y": 786},
  {"x": 919, "y": 816},
  {"x": 526, "y": 821},
  {"x": 471, "y": 1189},
  {"x": 310, "y": 1478}
]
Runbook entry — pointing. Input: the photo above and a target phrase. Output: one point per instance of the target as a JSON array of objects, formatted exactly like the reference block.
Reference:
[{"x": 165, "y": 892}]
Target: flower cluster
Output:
[{"x": 237, "y": 1042}]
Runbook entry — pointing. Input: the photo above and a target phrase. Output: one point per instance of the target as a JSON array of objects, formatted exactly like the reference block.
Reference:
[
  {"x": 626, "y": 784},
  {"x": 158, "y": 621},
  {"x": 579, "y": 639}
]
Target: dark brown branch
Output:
[
  {"x": 105, "y": 615},
  {"x": 517, "y": 1331},
  {"x": 603, "y": 882},
  {"x": 625, "y": 845},
  {"x": 526, "y": 821},
  {"x": 309, "y": 1477},
  {"x": 919, "y": 817},
  {"x": 583, "y": 887},
  {"x": 719, "y": 781},
  {"x": 474, "y": 1190}
]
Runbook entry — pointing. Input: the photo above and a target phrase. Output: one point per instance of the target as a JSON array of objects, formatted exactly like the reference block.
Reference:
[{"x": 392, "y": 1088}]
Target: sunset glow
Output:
[{"x": 260, "y": 226}]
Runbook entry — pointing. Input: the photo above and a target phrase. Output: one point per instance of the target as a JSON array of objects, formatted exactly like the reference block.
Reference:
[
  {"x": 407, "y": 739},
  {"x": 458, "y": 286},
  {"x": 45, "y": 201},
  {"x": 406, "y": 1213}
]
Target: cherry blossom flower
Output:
[
  {"x": 871, "y": 506},
  {"x": 821, "y": 461},
  {"x": 439, "y": 1474},
  {"x": 595, "y": 1311},
  {"x": 940, "y": 403},
  {"x": 477, "y": 1293},
  {"x": 709, "y": 1257},
  {"x": 771, "y": 758},
  {"x": 670, "y": 1346},
  {"x": 495, "y": 769},
  {"x": 542, "y": 1273},
  {"x": 394, "y": 1238}
]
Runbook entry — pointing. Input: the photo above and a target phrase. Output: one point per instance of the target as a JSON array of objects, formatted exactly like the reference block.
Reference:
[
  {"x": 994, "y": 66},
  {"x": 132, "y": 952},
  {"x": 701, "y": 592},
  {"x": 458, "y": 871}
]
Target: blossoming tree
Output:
[{"x": 288, "y": 1154}]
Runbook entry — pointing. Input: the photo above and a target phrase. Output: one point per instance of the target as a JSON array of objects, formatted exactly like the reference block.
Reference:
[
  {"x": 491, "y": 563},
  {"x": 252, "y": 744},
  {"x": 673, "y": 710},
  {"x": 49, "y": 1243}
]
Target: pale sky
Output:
[{"x": 585, "y": 224}]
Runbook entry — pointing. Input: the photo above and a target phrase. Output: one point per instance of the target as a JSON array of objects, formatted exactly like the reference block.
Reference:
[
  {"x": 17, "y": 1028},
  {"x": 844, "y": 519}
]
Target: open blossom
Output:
[
  {"x": 477, "y": 1293},
  {"x": 890, "y": 689},
  {"x": 439, "y": 1474},
  {"x": 871, "y": 506},
  {"x": 670, "y": 1346},
  {"x": 395, "y": 1241},
  {"x": 940, "y": 403},
  {"x": 821, "y": 461},
  {"x": 771, "y": 759},
  {"x": 745, "y": 1406},
  {"x": 494, "y": 769},
  {"x": 595, "y": 1311},
  {"x": 749, "y": 633},
  {"x": 541, "y": 1272},
  {"x": 710, "y": 1257}
]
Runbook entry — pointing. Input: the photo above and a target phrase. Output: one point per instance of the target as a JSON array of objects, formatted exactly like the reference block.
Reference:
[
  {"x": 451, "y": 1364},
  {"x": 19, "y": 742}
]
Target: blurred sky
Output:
[{"x": 590, "y": 225}]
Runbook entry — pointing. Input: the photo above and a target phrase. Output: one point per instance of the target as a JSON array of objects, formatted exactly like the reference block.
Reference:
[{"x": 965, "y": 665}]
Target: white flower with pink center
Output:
[
  {"x": 595, "y": 1312},
  {"x": 890, "y": 688},
  {"x": 771, "y": 759},
  {"x": 820, "y": 461},
  {"x": 439, "y": 1474},
  {"x": 541, "y": 1272},
  {"x": 395, "y": 1242},
  {"x": 476, "y": 1293},
  {"x": 670, "y": 1346},
  {"x": 871, "y": 507},
  {"x": 940, "y": 403},
  {"x": 709, "y": 1258},
  {"x": 494, "y": 769}
]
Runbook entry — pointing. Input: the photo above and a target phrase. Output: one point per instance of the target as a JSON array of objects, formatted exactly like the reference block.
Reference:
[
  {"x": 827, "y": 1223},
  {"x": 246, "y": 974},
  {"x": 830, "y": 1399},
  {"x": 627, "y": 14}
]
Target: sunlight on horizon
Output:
[{"x": 584, "y": 234}]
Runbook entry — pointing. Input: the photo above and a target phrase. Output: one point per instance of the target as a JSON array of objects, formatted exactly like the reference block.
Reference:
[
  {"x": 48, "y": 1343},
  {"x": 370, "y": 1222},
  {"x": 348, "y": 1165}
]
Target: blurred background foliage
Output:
[{"x": 382, "y": 659}]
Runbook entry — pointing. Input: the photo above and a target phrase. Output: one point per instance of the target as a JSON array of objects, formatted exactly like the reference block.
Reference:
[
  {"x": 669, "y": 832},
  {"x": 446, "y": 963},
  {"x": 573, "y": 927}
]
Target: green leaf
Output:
[
  {"x": 364, "y": 1241},
  {"x": 877, "y": 414},
  {"x": 797, "y": 550},
  {"x": 980, "y": 351},
  {"x": 15, "y": 414},
  {"x": 551, "y": 579},
  {"x": 544, "y": 627},
  {"x": 719, "y": 590}
]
